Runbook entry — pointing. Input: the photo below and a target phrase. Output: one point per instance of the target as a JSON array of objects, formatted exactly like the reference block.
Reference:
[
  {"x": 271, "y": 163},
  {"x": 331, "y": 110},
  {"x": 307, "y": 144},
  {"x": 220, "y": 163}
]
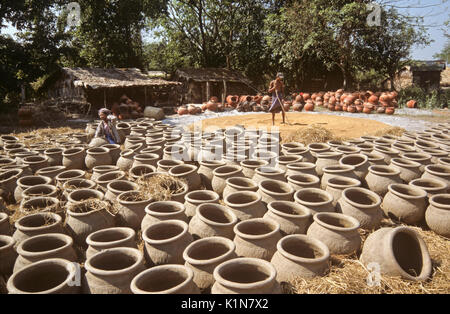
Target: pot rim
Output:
[
  {"x": 422, "y": 193},
  {"x": 259, "y": 236},
  {"x": 178, "y": 223},
  {"x": 441, "y": 174},
  {"x": 291, "y": 179},
  {"x": 308, "y": 240},
  {"x": 211, "y": 163},
  {"x": 50, "y": 169},
  {"x": 329, "y": 154},
  {"x": 262, "y": 163},
  {"x": 122, "y": 175},
  {"x": 50, "y": 186},
  {"x": 222, "y": 240},
  {"x": 416, "y": 156},
  {"x": 97, "y": 193},
  {"x": 161, "y": 163},
  {"x": 225, "y": 209},
  {"x": 341, "y": 169},
  {"x": 123, "y": 202},
  {"x": 191, "y": 167},
  {"x": 443, "y": 186},
  {"x": 105, "y": 168},
  {"x": 293, "y": 159},
  {"x": 180, "y": 208},
  {"x": 54, "y": 150},
  {"x": 54, "y": 216},
  {"x": 115, "y": 191},
  {"x": 214, "y": 197},
  {"x": 393, "y": 171},
  {"x": 277, "y": 212},
  {"x": 81, "y": 173},
  {"x": 317, "y": 190},
  {"x": 372, "y": 194},
  {"x": 301, "y": 166},
  {"x": 354, "y": 221},
  {"x": 146, "y": 156},
  {"x": 10, "y": 242},
  {"x": 280, "y": 183},
  {"x": 233, "y": 205},
  {"x": 260, "y": 171},
  {"x": 139, "y": 260},
  {"x": 434, "y": 203},
  {"x": 252, "y": 184},
  {"x": 250, "y": 261},
  {"x": 60, "y": 236},
  {"x": 27, "y": 160},
  {"x": 73, "y": 151},
  {"x": 47, "y": 180},
  {"x": 352, "y": 181},
  {"x": 365, "y": 157},
  {"x": 405, "y": 163},
  {"x": 236, "y": 170},
  {"x": 386, "y": 150},
  {"x": 130, "y": 234}
]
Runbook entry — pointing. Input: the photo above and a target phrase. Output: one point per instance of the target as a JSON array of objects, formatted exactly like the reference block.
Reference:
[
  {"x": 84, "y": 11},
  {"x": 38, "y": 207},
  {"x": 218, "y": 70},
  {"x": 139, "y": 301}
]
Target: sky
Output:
[{"x": 435, "y": 13}]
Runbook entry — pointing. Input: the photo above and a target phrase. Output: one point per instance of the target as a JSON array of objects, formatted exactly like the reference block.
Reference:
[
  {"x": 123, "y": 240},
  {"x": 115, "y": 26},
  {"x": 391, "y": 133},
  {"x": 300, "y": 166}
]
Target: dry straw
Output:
[
  {"x": 314, "y": 133},
  {"x": 160, "y": 187}
]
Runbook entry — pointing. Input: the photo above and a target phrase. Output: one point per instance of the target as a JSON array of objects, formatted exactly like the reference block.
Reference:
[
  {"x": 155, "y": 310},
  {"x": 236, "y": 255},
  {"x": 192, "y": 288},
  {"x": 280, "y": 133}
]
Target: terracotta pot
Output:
[
  {"x": 131, "y": 208},
  {"x": 375, "y": 159},
  {"x": 435, "y": 154},
  {"x": 363, "y": 205},
  {"x": 246, "y": 205},
  {"x": 161, "y": 211},
  {"x": 211, "y": 220},
  {"x": 81, "y": 195},
  {"x": 188, "y": 173},
  {"x": 125, "y": 161},
  {"x": 431, "y": 186},
  {"x": 24, "y": 183},
  {"x": 41, "y": 204},
  {"x": 139, "y": 171},
  {"x": 221, "y": 174},
  {"x": 409, "y": 170},
  {"x": 4, "y": 224},
  {"x": 359, "y": 161},
  {"x": 399, "y": 252},
  {"x": 106, "y": 178},
  {"x": 165, "y": 279},
  {"x": 111, "y": 271},
  {"x": 36, "y": 224},
  {"x": 36, "y": 162},
  {"x": 65, "y": 176},
  {"x": 8, "y": 255},
  {"x": 301, "y": 181},
  {"x": 110, "y": 238},
  {"x": 165, "y": 242},
  {"x": 326, "y": 159},
  {"x": 380, "y": 177},
  {"x": 301, "y": 168},
  {"x": 245, "y": 276},
  {"x": 98, "y": 156},
  {"x": 405, "y": 203},
  {"x": 422, "y": 158},
  {"x": 114, "y": 152},
  {"x": 437, "y": 214},
  {"x": 116, "y": 187},
  {"x": 300, "y": 256},
  {"x": 44, "y": 190},
  {"x": 273, "y": 190},
  {"x": 293, "y": 218},
  {"x": 438, "y": 172},
  {"x": 338, "y": 231},
  {"x": 338, "y": 184},
  {"x": 44, "y": 246},
  {"x": 337, "y": 170},
  {"x": 51, "y": 172},
  {"x": 316, "y": 200},
  {"x": 268, "y": 173},
  {"x": 73, "y": 158},
  {"x": 249, "y": 166},
  {"x": 238, "y": 184},
  {"x": 54, "y": 156},
  {"x": 146, "y": 159},
  {"x": 50, "y": 276}
]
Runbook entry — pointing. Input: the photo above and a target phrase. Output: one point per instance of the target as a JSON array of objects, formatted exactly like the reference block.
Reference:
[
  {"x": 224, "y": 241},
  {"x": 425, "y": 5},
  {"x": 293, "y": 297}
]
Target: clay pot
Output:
[
  {"x": 437, "y": 214},
  {"x": 339, "y": 232},
  {"x": 131, "y": 208},
  {"x": 97, "y": 142},
  {"x": 338, "y": 184},
  {"x": 8, "y": 255},
  {"x": 204, "y": 255},
  {"x": 283, "y": 161},
  {"x": 161, "y": 211},
  {"x": 438, "y": 172},
  {"x": 326, "y": 159},
  {"x": 246, "y": 205},
  {"x": 273, "y": 190},
  {"x": 100, "y": 170},
  {"x": 363, "y": 205},
  {"x": 301, "y": 152},
  {"x": 300, "y": 256},
  {"x": 245, "y": 276},
  {"x": 196, "y": 198},
  {"x": 8, "y": 183},
  {"x": 51, "y": 172},
  {"x": 301, "y": 168},
  {"x": 431, "y": 186},
  {"x": 221, "y": 174},
  {"x": 107, "y": 178},
  {"x": 65, "y": 176},
  {"x": 45, "y": 190},
  {"x": 4, "y": 224},
  {"x": 292, "y": 217},
  {"x": 139, "y": 171},
  {"x": 301, "y": 181},
  {"x": 146, "y": 159},
  {"x": 359, "y": 161},
  {"x": 73, "y": 158},
  {"x": 206, "y": 171},
  {"x": 164, "y": 165},
  {"x": 24, "y": 183},
  {"x": 125, "y": 161},
  {"x": 249, "y": 166},
  {"x": 111, "y": 271},
  {"x": 50, "y": 276},
  {"x": 165, "y": 279},
  {"x": 337, "y": 171},
  {"x": 422, "y": 158},
  {"x": 165, "y": 242},
  {"x": 133, "y": 140},
  {"x": 399, "y": 252},
  {"x": 257, "y": 238},
  {"x": 36, "y": 162},
  {"x": 238, "y": 184},
  {"x": 405, "y": 203},
  {"x": 114, "y": 152},
  {"x": 41, "y": 204},
  {"x": 409, "y": 170},
  {"x": 98, "y": 156},
  {"x": 212, "y": 220},
  {"x": 316, "y": 200},
  {"x": 268, "y": 173},
  {"x": 110, "y": 238},
  {"x": 81, "y": 195},
  {"x": 386, "y": 152},
  {"x": 380, "y": 177},
  {"x": 54, "y": 156},
  {"x": 44, "y": 246},
  {"x": 36, "y": 224},
  {"x": 188, "y": 173},
  {"x": 116, "y": 187},
  {"x": 83, "y": 219}
]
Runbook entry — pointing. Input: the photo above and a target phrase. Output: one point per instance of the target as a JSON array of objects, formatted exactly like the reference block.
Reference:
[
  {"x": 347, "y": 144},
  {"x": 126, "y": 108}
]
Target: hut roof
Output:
[
  {"x": 428, "y": 66},
  {"x": 113, "y": 77},
  {"x": 212, "y": 74}
]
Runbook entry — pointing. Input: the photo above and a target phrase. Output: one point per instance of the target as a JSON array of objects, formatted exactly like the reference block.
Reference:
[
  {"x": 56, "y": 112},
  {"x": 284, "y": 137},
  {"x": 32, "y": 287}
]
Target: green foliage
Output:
[{"x": 434, "y": 99}]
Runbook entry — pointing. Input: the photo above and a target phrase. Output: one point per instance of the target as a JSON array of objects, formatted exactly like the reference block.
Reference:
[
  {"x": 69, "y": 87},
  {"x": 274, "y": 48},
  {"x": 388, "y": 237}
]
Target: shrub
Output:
[{"x": 425, "y": 100}]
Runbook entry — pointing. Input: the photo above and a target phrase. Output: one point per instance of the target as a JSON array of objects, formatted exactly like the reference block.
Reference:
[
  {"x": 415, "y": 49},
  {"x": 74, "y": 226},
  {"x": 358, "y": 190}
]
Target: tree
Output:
[{"x": 445, "y": 53}]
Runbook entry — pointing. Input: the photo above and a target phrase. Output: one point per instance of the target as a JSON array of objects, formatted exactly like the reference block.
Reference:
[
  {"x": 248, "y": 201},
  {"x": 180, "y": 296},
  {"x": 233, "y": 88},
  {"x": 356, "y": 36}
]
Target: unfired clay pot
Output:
[
  {"x": 380, "y": 177},
  {"x": 98, "y": 156},
  {"x": 300, "y": 256},
  {"x": 161, "y": 211},
  {"x": 196, "y": 198},
  {"x": 437, "y": 214},
  {"x": 337, "y": 170},
  {"x": 8, "y": 255},
  {"x": 110, "y": 238},
  {"x": 36, "y": 162},
  {"x": 269, "y": 173},
  {"x": 24, "y": 183},
  {"x": 68, "y": 175},
  {"x": 405, "y": 203},
  {"x": 188, "y": 173},
  {"x": 301, "y": 181},
  {"x": 303, "y": 152},
  {"x": 73, "y": 158},
  {"x": 36, "y": 224},
  {"x": 4, "y": 224},
  {"x": 431, "y": 186},
  {"x": 301, "y": 168},
  {"x": 107, "y": 178},
  {"x": 238, "y": 184},
  {"x": 359, "y": 161},
  {"x": 54, "y": 156},
  {"x": 316, "y": 200},
  {"x": 438, "y": 172},
  {"x": 246, "y": 205},
  {"x": 100, "y": 170},
  {"x": 409, "y": 170},
  {"x": 114, "y": 152},
  {"x": 422, "y": 158},
  {"x": 211, "y": 220},
  {"x": 398, "y": 251},
  {"x": 283, "y": 161},
  {"x": 338, "y": 184},
  {"x": 221, "y": 174},
  {"x": 292, "y": 217},
  {"x": 116, "y": 187},
  {"x": 386, "y": 152},
  {"x": 206, "y": 171},
  {"x": 249, "y": 166},
  {"x": 125, "y": 161},
  {"x": 131, "y": 208},
  {"x": 274, "y": 190},
  {"x": 327, "y": 159}
]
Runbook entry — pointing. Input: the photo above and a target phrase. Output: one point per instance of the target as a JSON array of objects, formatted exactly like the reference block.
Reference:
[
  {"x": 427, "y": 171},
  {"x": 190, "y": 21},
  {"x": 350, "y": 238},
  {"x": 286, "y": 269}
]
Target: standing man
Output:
[{"x": 276, "y": 88}]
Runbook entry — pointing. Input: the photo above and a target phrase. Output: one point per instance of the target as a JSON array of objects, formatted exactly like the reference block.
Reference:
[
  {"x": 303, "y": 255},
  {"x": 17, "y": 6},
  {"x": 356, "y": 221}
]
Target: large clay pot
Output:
[
  {"x": 41, "y": 190},
  {"x": 257, "y": 238},
  {"x": 100, "y": 170},
  {"x": 363, "y": 205},
  {"x": 98, "y": 156},
  {"x": 274, "y": 190},
  {"x": 211, "y": 220},
  {"x": 4, "y": 224},
  {"x": 405, "y": 203},
  {"x": 195, "y": 198},
  {"x": 44, "y": 246},
  {"x": 51, "y": 172},
  {"x": 292, "y": 217},
  {"x": 131, "y": 208},
  {"x": 83, "y": 219},
  {"x": 73, "y": 158},
  {"x": 50, "y": 276},
  {"x": 438, "y": 172},
  {"x": 133, "y": 140},
  {"x": 326, "y": 159},
  {"x": 283, "y": 161},
  {"x": 422, "y": 158},
  {"x": 206, "y": 171},
  {"x": 301, "y": 168},
  {"x": 221, "y": 174},
  {"x": 110, "y": 238},
  {"x": 114, "y": 152},
  {"x": 24, "y": 183},
  {"x": 437, "y": 215},
  {"x": 36, "y": 162},
  {"x": 36, "y": 224},
  {"x": 161, "y": 211},
  {"x": 164, "y": 165},
  {"x": 41, "y": 204},
  {"x": 315, "y": 200},
  {"x": 111, "y": 271},
  {"x": 245, "y": 276},
  {"x": 8, "y": 255},
  {"x": 81, "y": 195},
  {"x": 338, "y": 231},
  {"x": 268, "y": 173},
  {"x": 301, "y": 181},
  {"x": 107, "y": 178},
  {"x": 375, "y": 159},
  {"x": 238, "y": 184},
  {"x": 300, "y": 256},
  {"x": 337, "y": 171},
  {"x": 146, "y": 159},
  {"x": 359, "y": 161},
  {"x": 8, "y": 183},
  {"x": 431, "y": 186},
  {"x": 386, "y": 152},
  {"x": 65, "y": 176},
  {"x": 188, "y": 173},
  {"x": 246, "y": 205},
  {"x": 249, "y": 166},
  {"x": 165, "y": 242},
  {"x": 116, "y": 187},
  {"x": 125, "y": 161},
  {"x": 398, "y": 252},
  {"x": 139, "y": 171},
  {"x": 54, "y": 156},
  {"x": 338, "y": 184},
  {"x": 380, "y": 177},
  {"x": 409, "y": 170}
]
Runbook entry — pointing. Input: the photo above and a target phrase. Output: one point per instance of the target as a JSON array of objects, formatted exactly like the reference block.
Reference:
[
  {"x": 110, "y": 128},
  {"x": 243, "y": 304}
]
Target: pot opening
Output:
[
  {"x": 275, "y": 187},
  {"x": 337, "y": 222},
  {"x": 3, "y": 243},
  {"x": 313, "y": 197},
  {"x": 41, "y": 278},
  {"x": 428, "y": 184},
  {"x": 37, "y": 221},
  {"x": 109, "y": 176},
  {"x": 109, "y": 236},
  {"x": 34, "y": 180},
  {"x": 208, "y": 251},
  {"x": 83, "y": 195},
  {"x": 244, "y": 273},
  {"x": 163, "y": 232},
  {"x": 164, "y": 208},
  {"x": 352, "y": 160},
  {"x": 288, "y": 209},
  {"x": 301, "y": 248},
  {"x": 37, "y": 204},
  {"x": 242, "y": 182},
  {"x": 382, "y": 169},
  {"x": 114, "y": 261},
  {"x": 302, "y": 178},
  {"x": 215, "y": 214},
  {"x": 407, "y": 253},
  {"x": 201, "y": 196},
  {"x": 69, "y": 175},
  {"x": 440, "y": 169},
  {"x": 360, "y": 197},
  {"x": 255, "y": 227},
  {"x": 161, "y": 280},
  {"x": 239, "y": 199},
  {"x": 141, "y": 170},
  {"x": 442, "y": 199},
  {"x": 225, "y": 170},
  {"x": 287, "y": 159},
  {"x": 87, "y": 206},
  {"x": 43, "y": 244}
]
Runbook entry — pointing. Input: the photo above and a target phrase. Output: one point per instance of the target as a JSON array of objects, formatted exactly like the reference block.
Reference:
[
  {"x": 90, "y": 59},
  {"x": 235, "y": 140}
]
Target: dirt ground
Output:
[{"x": 340, "y": 126}]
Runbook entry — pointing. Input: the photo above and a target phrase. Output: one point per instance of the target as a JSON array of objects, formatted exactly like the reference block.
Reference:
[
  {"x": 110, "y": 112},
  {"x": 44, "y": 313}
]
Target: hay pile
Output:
[
  {"x": 314, "y": 133},
  {"x": 160, "y": 187},
  {"x": 395, "y": 131},
  {"x": 45, "y": 136},
  {"x": 349, "y": 276}
]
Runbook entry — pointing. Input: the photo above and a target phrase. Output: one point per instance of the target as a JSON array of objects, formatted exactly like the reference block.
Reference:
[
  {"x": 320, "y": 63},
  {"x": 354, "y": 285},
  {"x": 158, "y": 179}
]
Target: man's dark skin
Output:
[{"x": 277, "y": 87}]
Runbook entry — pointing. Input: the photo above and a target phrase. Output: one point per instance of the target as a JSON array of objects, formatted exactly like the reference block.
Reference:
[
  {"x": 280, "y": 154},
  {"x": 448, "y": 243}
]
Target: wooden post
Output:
[
  {"x": 224, "y": 95},
  {"x": 208, "y": 91}
]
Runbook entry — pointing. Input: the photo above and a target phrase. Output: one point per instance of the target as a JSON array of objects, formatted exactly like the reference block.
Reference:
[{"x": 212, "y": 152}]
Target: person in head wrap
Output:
[
  {"x": 107, "y": 128},
  {"x": 277, "y": 89}
]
